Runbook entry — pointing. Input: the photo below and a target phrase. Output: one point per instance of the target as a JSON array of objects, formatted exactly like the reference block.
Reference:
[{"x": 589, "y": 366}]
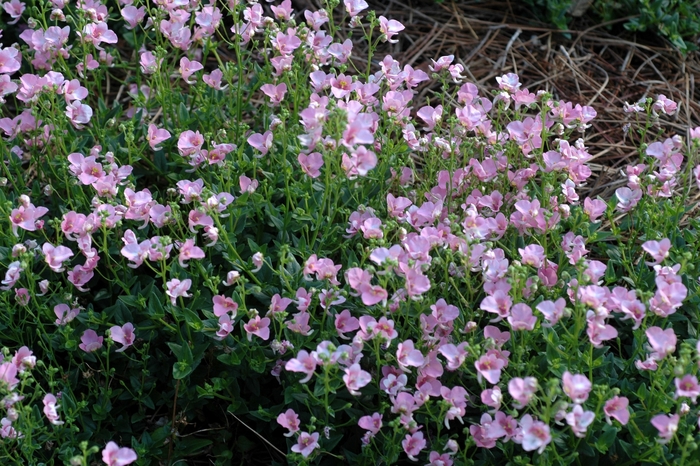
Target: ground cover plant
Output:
[
  {"x": 214, "y": 215},
  {"x": 676, "y": 20}
]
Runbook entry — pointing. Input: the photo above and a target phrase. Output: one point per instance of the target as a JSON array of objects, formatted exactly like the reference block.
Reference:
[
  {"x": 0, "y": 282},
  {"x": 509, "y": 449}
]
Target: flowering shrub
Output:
[{"x": 216, "y": 215}]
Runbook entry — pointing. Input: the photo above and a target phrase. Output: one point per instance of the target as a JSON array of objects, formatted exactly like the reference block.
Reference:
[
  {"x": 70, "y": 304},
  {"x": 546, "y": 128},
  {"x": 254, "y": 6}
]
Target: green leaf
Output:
[
  {"x": 185, "y": 361},
  {"x": 605, "y": 441},
  {"x": 182, "y": 369},
  {"x": 183, "y": 114},
  {"x": 230, "y": 359},
  {"x": 189, "y": 446}
]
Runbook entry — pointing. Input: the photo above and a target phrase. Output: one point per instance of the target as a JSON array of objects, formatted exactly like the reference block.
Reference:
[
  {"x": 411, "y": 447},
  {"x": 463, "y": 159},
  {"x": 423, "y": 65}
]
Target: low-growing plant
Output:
[
  {"x": 676, "y": 20},
  {"x": 218, "y": 215}
]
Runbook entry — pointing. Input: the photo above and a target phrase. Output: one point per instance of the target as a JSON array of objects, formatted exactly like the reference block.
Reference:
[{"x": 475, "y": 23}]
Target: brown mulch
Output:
[{"x": 601, "y": 65}]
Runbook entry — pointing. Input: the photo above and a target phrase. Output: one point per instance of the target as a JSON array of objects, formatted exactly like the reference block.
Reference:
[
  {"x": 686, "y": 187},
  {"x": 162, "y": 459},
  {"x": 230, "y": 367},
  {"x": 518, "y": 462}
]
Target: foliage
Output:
[{"x": 676, "y": 20}]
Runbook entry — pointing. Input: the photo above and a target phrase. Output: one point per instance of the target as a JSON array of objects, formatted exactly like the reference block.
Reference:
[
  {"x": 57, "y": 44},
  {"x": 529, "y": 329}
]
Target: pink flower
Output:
[
  {"x": 355, "y": 378},
  {"x": 663, "y": 342},
  {"x": 98, "y": 33},
  {"x": 498, "y": 303},
  {"x": 188, "y": 251},
  {"x": 112, "y": 455},
  {"x": 275, "y": 93},
  {"x": 522, "y": 390},
  {"x": 290, "y": 421},
  {"x": 579, "y": 420},
  {"x": 389, "y": 28},
  {"x": 455, "y": 355},
  {"x": 666, "y": 425},
  {"x": 627, "y": 198},
  {"x": 26, "y": 217},
  {"x": 618, "y": 408},
  {"x": 22, "y": 296},
  {"x": 436, "y": 459},
  {"x": 177, "y": 288},
  {"x": 189, "y": 143},
  {"x": 407, "y": 356},
  {"x": 51, "y": 409},
  {"x": 509, "y": 82},
  {"x": 10, "y": 60},
  {"x": 311, "y": 163},
  {"x": 247, "y": 185},
  {"x": 371, "y": 423},
  {"x": 64, "y": 313},
  {"x": 258, "y": 261},
  {"x": 536, "y": 434},
  {"x": 533, "y": 255},
  {"x": 594, "y": 208},
  {"x": 345, "y": 322},
  {"x": 8, "y": 375},
  {"x": 413, "y": 444},
  {"x": 24, "y": 359},
  {"x": 224, "y": 305},
  {"x": 489, "y": 367},
  {"x": 14, "y": 8},
  {"x": 577, "y": 387},
  {"x": 521, "y": 317},
  {"x": 213, "y": 80},
  {"x": 55, "y": 256},
  {"x": 261, "y": 142},
  {"x": 156, "y": 136},
  {"x": 552, "y": 311},
  {"x": 306, "y": 444},
  {"x": 78, "y": 113},
  {"x": 225, "y": 326},
  {"x": 187, "y": 68},
  {"x": 90, "y": 341},
  {"x": 687, "y": 386},
  {"x": 14, "y": 271},
  {"x": 492, "y": 397},
  {"x": 665, "y": 105},
  {"x": 305, "y": 363},
  {"x": 124, "y": 335},
  {"x": 149, "y": 63},
  {"x": 133, "y": 16},
  {"x": 354, "y": 7},
  {"x": 300, "y": 323},
  {"x": 658, "y": 250},
  {"x": 259, "y": 327}
]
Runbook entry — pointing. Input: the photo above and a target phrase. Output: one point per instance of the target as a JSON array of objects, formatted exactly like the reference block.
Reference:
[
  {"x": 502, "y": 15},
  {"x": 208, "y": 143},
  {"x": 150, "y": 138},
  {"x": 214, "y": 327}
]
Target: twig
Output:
[{"x": 256, "y": 433}]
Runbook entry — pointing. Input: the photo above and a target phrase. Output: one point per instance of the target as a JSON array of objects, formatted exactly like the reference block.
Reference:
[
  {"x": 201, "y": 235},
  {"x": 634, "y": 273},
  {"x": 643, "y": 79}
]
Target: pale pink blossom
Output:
[
  {"x": 667, "y": 425},
  {"x": 90, "y": 341},
  {"x": 306, "y": 444},
  {"x": 522, "y": 390},
  {"x": 123, "y": 335},
  {"x": 51, "y": 409},
  {"x": 618, "y": 408},
  {"x": 305, "y": 363},
  {"x": 112, "y": 455},
  {"x": 64, "y": 313},
  {"x": 579, "y": 420},
  {"x": 355, "y": 378},
  {"x": 413, "y": 444},
  {"x": 156, "y": 136},
  {"x": 663, "y": 342},
  {"x": 577, "y": 386},
  {"x": 290, "y": 421},
  {"x": 687, "y": 386},
  {"x": 177, "y": 288},
  {"x": 536, "y": 435},
  {"x": 258, "y": 327}
]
